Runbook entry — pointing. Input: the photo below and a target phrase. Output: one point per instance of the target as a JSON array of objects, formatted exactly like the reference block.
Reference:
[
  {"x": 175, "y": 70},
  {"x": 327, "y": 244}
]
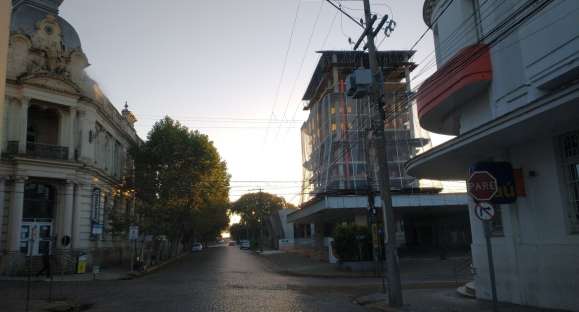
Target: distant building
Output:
[
  {"x": 65, "y": 169},
  {"x": 337, "y": 183},
  {"x": 507, "y": 88}
]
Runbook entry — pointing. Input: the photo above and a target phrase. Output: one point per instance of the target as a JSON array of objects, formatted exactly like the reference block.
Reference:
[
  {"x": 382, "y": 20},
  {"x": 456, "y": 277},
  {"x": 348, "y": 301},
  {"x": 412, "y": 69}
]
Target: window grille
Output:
[{"x": 570, "y": 151}]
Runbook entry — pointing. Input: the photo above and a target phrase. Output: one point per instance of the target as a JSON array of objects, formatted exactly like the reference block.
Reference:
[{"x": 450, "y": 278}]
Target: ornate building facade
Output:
[{"x": 65, "y": 168}]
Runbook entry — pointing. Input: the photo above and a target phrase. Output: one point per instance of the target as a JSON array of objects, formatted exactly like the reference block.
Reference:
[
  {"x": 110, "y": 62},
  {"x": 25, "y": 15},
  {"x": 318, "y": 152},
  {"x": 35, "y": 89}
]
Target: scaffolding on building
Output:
[{"x": 334, "y": 150}]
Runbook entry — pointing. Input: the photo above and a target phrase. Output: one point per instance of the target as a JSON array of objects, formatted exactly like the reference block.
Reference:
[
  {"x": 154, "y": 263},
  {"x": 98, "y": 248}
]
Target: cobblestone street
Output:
[{"x": 217, "y": 279}]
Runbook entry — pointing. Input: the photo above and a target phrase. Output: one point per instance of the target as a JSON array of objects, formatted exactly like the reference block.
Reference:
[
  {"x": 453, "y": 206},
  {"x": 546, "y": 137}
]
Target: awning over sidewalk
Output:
[{"x": 336, "y": 207}]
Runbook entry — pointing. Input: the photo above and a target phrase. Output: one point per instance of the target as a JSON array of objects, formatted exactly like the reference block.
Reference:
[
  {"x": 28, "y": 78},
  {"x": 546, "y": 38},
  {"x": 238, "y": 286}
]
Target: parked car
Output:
[
  {"x": 244, "y": 244},
  {"x": 197, "y": 247}
]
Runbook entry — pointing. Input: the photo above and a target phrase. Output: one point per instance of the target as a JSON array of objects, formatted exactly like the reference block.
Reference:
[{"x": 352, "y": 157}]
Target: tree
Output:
[
  {"x": 255, "y": 210},
  {"x": 353, "y": 242},
  {"x": 238, "y": 231},
  {"x": 181, "y": 183}
]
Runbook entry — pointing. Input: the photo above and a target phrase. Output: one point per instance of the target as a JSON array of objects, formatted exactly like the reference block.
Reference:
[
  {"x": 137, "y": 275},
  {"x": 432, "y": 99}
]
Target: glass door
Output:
[{"x": 36, "y": 238}]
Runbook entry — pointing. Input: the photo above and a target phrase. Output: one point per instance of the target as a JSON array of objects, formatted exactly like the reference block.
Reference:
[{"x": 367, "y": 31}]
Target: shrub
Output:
[{"x": 353, "y": 243}]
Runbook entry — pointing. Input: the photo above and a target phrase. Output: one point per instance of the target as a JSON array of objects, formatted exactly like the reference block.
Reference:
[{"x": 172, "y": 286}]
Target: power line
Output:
[
  {"x": 291, "y": 37},
  {"x": 301, "y": 64}
]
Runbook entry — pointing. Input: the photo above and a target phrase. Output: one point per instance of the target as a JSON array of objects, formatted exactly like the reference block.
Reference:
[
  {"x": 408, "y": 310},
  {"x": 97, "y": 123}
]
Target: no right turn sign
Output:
[{"x": 484, "y": 211}]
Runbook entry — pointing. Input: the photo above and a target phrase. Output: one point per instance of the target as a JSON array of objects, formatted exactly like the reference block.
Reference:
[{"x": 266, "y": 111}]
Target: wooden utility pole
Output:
[{"x": 381, "y": 159}]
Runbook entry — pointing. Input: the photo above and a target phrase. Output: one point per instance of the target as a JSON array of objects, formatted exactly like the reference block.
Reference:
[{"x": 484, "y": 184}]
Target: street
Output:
[{"x": 216, "y": 279}]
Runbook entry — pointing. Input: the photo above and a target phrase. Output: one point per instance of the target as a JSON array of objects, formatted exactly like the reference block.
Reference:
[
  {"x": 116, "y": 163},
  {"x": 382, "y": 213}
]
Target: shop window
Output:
[{"x": 570, "y": 162}]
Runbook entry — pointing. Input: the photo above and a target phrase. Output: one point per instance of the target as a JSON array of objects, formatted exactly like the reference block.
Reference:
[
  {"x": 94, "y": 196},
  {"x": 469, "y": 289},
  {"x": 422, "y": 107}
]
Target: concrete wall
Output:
[
  {"x": 539, "y": 55},
  {"x": 536, "y": 258},
  {"x": 455, "y": 30}
]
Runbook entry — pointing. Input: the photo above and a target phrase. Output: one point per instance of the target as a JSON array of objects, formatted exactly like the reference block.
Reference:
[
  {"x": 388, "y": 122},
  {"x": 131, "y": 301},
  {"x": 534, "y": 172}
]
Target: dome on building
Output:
[{"x": 27, "y": 13}]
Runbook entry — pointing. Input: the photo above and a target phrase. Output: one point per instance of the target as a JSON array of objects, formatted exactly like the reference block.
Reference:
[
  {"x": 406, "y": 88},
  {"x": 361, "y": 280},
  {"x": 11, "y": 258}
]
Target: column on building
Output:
[
  {"x": 87, "y": 134},
  {"x": 2, "y": 201},
  {"x": 23, "y": 124},
  {"x": 71, "y": 133},
  {"x": 81, "y": 224},
  {"x": 67, "y": 215},
  {"x": 67, "y": 131},
  {"x": 76, "y": 217},
  {"x": 15, "y": 214}
]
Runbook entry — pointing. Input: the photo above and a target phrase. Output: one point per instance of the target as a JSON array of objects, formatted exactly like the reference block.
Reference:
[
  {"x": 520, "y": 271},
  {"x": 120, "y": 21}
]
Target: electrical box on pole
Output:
[{"x": 359, "y": 83}]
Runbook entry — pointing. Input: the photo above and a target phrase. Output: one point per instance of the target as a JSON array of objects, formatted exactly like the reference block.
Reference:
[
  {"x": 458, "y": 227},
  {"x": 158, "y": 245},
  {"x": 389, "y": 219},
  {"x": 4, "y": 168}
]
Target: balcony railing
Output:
[{"x": 38, "y": 150}]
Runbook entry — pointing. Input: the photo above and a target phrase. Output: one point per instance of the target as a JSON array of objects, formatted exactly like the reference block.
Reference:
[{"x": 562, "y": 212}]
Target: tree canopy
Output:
[
  {"x": 181, "y": 183},
  {"x": 253, "y": 207}
]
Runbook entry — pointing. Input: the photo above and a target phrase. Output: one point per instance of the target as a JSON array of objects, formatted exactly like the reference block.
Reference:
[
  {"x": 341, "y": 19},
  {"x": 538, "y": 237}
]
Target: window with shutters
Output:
[{"x": 570, "y": 161}]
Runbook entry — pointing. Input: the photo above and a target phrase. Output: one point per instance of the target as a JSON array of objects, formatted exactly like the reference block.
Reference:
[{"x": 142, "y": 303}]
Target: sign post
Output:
[
  {"x": 487, "y": 229},
  {"x": 133, "y": 236},
  {"x": 482, "y": 187}
]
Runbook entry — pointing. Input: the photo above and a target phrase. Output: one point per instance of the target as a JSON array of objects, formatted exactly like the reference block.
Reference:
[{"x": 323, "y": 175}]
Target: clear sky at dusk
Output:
[{"x": 216, "y": 66}]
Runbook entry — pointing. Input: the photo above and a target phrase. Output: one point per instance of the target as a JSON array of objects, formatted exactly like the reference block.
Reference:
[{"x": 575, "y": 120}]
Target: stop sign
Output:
[{"x": 482, "y": 186}]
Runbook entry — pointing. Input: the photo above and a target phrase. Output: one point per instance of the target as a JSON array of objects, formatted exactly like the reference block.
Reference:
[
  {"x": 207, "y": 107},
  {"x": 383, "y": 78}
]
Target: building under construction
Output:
[{"x": 337, "y": 179}]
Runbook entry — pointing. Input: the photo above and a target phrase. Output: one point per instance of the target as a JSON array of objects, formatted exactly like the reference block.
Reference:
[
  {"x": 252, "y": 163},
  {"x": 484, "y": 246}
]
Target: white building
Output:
[
  {"x": 64, "y": 168},
  {"x": 507, "y": 88}
]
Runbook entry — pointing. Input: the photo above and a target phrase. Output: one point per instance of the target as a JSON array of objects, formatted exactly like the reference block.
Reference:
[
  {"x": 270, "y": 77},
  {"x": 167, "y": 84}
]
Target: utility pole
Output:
[
  {"x": 381, "y": 158},
  {"x": 378, "y": 140}
]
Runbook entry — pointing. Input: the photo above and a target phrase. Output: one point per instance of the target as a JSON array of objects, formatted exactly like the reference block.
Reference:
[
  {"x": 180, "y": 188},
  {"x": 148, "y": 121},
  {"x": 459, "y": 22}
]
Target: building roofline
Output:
[
  {"x": 352, "y": 58},
  {"x": 427, "y": 11}
]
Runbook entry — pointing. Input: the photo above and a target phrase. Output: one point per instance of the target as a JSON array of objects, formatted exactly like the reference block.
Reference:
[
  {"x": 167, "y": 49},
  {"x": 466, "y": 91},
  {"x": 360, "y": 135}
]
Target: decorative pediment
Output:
[
  {"x": 48, "y": 47},
  {"x": 52, "y": 83}
]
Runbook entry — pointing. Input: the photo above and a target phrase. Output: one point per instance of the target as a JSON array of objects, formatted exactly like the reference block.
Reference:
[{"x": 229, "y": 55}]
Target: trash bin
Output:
[{"x": 81, "y": 261}]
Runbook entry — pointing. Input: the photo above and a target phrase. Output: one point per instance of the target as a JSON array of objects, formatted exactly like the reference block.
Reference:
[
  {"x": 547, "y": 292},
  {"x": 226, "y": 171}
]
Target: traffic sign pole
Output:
[{"x": 487, "y": 229}]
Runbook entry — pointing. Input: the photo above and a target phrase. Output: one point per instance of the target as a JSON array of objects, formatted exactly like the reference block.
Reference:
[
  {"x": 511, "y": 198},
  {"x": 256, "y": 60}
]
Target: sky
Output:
[{"x": 228, "y": 67}]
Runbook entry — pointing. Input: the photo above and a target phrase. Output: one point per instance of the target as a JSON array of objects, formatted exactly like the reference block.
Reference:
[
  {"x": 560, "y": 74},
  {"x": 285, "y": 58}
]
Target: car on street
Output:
[
  {"x": 197, "y": 247},
  {"x": 244, "y": 244},
  {"x": 231, "y": 243}
]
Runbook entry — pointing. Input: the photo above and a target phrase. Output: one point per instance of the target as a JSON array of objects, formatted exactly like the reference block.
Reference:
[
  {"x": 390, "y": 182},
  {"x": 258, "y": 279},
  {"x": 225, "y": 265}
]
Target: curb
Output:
[
  {"x": 135, "y": 275},
  {"x": 318, "y": 275}
]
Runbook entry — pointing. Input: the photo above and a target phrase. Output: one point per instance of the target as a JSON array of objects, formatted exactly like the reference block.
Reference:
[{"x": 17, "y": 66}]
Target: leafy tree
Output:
[
  {"x": 238, "y": 231},
  {"x": 353, "y": 243},
  {"x": 181, "y": 183},
  {"x": 255, "y": 210}
]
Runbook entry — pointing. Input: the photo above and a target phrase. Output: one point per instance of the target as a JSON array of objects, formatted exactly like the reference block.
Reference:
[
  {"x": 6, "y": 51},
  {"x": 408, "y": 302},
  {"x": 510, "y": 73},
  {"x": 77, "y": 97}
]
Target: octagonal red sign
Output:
[{"x": 482, "y": 186}]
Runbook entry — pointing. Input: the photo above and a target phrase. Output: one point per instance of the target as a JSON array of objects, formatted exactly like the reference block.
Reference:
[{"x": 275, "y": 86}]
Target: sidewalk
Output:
[
  {"x": 109, "y": 274},
  {"x": 415, "y": 272},
  {"x": 106, "y": 274},
  {"x": 438, "y": 300}
]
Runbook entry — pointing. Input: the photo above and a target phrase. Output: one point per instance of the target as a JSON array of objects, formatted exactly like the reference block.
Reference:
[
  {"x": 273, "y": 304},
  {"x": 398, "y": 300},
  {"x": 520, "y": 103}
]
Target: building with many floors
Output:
[
  {"x": 65, "y": 168},
  {"x": 337, "y": 179},
  {"x": 507, "y": 86}
]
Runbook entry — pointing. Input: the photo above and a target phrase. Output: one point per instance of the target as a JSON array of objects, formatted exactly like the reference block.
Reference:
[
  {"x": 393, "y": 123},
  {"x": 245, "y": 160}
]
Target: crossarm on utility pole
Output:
[{"x": 366, "y": 31}]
